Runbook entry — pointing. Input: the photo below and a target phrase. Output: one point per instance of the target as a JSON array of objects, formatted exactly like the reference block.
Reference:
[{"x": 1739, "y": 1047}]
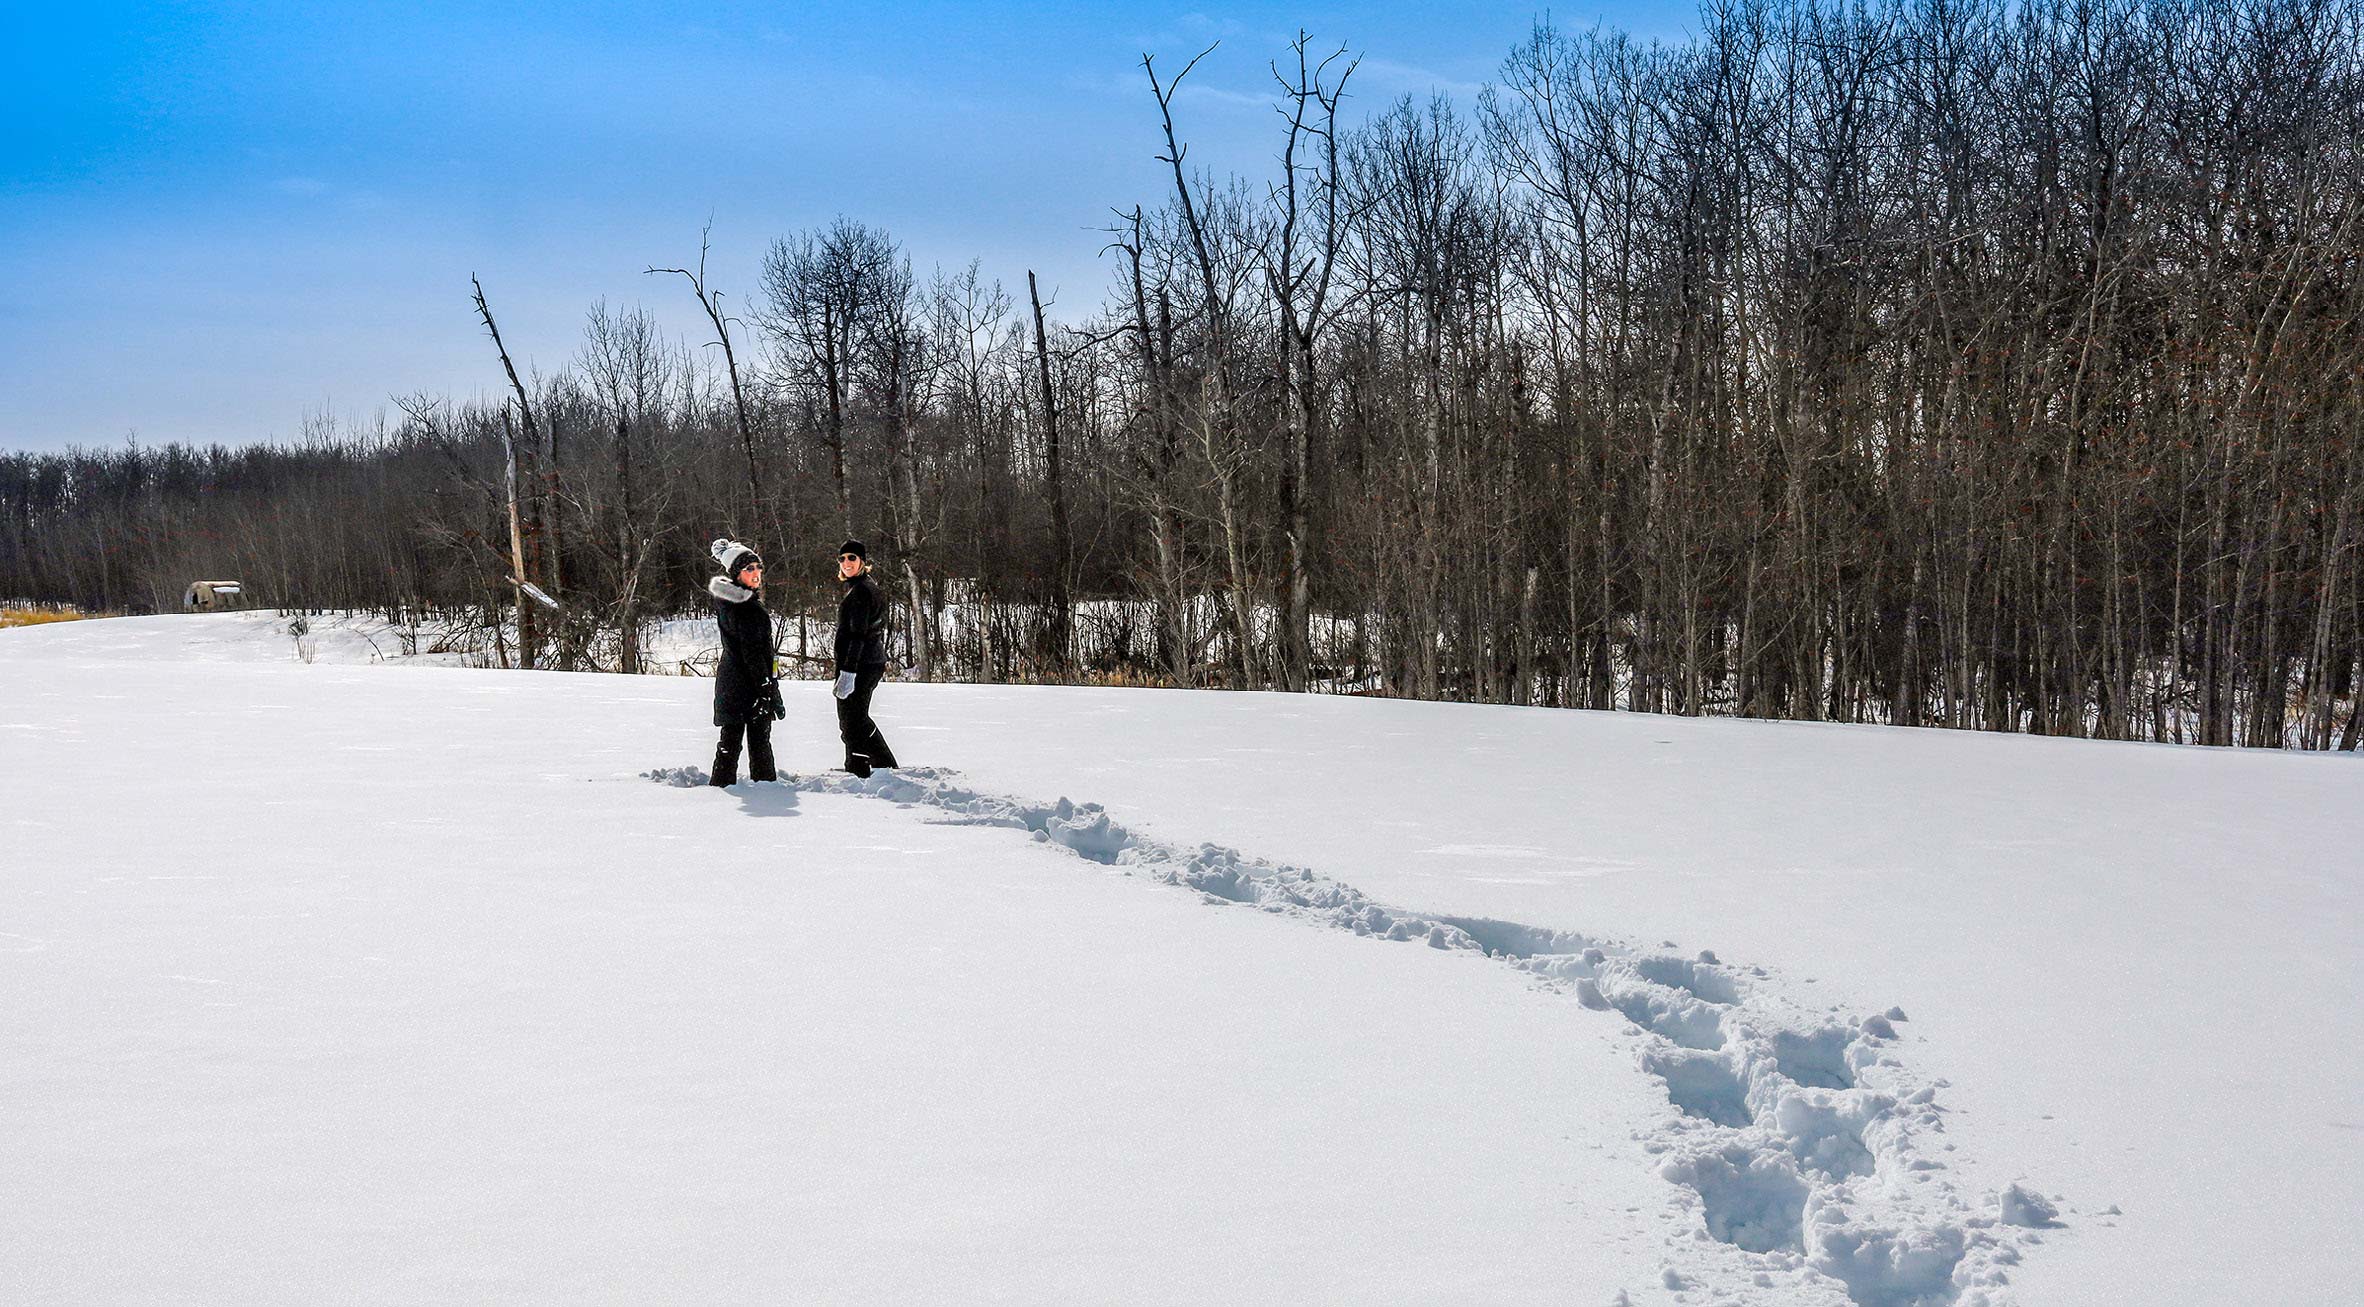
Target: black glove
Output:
[{"x": 767, "y": 700}]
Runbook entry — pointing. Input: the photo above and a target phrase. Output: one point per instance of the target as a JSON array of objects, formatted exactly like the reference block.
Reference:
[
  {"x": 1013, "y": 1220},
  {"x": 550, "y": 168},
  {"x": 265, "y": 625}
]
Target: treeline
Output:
[{"x": 1944, "y": 362}]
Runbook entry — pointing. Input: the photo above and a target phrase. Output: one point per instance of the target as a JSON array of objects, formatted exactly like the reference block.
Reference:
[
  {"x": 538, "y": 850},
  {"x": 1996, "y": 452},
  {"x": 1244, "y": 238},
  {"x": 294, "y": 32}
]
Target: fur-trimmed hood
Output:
[{"x": 729, "y": 591}]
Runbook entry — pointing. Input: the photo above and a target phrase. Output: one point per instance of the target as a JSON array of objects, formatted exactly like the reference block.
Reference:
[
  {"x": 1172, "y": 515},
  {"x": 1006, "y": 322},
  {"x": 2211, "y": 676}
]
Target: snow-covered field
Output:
[
  {"x": 670, "y": 645},
  {"x": 404, "y": 984}
]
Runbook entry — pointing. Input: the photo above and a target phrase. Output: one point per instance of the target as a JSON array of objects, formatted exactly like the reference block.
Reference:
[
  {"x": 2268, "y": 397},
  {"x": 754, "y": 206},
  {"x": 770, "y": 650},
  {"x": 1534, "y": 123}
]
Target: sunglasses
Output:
[{"x": 849, "y": 558}]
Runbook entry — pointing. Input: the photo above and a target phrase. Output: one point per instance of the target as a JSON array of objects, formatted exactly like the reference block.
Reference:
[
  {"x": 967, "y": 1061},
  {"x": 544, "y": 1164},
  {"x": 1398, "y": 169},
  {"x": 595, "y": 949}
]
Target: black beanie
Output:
[{"x": 855, "y": 548}]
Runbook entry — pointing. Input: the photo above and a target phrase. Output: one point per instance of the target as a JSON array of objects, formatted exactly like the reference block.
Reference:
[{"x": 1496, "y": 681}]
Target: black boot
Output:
[
  {"x": 880, "y": 755},
  {"x": 857, "y": 764}
]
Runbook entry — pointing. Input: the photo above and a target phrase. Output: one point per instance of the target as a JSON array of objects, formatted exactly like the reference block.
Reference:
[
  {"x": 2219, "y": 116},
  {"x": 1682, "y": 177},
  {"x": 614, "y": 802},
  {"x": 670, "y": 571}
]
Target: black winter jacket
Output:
[
  {"x": 861, "y": 627},
  {"x": 746, "y": 665}
]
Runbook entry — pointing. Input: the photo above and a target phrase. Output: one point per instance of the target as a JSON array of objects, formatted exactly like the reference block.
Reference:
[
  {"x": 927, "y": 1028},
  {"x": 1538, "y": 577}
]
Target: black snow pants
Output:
[
  {"x": 758, "y": 735},
  {"x": 865, "y": 748}
]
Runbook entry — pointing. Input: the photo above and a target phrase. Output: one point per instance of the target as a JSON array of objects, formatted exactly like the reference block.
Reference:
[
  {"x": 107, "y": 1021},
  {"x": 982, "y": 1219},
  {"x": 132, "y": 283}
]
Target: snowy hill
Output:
[{"x": 403, "y": 984}]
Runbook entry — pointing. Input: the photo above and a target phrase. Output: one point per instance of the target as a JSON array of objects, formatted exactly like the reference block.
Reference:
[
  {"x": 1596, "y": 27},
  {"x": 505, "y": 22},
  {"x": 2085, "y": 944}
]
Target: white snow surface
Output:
[
  {"x": 388, "y": 984},
  {"x": 670, "y": 645}
]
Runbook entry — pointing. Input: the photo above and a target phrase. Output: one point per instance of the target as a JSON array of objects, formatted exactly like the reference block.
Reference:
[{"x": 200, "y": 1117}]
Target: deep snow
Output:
[{"x": 406, "y": 984}]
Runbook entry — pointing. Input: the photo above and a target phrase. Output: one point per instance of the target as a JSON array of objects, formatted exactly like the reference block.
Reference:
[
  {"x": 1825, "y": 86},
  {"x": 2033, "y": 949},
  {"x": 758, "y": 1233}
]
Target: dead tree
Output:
[
  {"x": 711, "y": 302},
  {"x": 1060, "y": 638},
  {"x": 525, "y": 530},
  {"x": 1299, "y": 280}
]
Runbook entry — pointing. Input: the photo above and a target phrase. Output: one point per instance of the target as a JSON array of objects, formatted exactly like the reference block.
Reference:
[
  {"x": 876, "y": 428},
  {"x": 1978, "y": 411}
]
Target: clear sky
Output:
[{"x": 218, "y": 219}]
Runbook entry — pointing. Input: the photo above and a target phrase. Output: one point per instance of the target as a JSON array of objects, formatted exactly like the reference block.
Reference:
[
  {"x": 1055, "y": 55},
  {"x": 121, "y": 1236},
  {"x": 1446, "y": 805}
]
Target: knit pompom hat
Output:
[{"x": 732, "y": 555}]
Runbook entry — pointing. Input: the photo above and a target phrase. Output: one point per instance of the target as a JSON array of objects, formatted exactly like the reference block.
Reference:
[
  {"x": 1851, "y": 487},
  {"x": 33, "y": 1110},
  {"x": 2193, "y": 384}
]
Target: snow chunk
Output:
[
  {"x": 2026, "y": 1207},
  {"x": 1088, "y": 830}
]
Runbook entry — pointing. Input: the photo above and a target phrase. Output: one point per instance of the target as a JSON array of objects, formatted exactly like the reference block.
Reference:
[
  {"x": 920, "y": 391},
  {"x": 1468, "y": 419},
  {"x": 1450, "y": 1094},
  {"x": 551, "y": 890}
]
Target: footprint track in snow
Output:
[{"x": 1810, "y": 1178}]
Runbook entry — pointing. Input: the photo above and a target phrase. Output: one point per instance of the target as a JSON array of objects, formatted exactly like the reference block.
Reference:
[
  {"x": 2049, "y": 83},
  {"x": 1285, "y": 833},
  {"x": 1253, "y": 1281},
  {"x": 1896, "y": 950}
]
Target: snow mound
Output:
[{"x": 2025, "y": 1207}]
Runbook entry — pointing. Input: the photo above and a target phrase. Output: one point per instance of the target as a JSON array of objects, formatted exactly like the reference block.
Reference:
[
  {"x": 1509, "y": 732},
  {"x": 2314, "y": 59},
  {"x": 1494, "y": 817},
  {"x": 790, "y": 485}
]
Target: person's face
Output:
[
  {"x": 751, "y": 576},
  {"x": 849, "y": 566}
]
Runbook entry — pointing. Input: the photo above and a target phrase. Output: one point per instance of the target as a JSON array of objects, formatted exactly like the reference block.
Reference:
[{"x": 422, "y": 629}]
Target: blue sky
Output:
[{"x": 218, "y": 219}]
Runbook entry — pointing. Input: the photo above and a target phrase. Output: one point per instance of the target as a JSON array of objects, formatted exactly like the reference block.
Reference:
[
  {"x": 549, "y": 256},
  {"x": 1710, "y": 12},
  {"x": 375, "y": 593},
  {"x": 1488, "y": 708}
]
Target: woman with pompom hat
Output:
[{"x": 746, "y": 681}]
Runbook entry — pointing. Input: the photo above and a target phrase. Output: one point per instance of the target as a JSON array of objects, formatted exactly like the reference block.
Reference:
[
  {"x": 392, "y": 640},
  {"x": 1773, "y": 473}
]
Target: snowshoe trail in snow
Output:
[{"x": 1799, "y": 1145}]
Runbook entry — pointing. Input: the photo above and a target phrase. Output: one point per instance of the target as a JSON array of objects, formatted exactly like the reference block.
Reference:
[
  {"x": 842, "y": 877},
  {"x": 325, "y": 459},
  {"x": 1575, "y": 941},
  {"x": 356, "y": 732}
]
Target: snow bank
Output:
[
  {"x": 2135, "y": 1030},
  {"x": 456, "y": 1010}
]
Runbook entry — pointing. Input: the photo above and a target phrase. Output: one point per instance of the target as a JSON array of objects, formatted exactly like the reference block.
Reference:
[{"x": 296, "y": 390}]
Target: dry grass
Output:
[{"x": 37, "y": 616}]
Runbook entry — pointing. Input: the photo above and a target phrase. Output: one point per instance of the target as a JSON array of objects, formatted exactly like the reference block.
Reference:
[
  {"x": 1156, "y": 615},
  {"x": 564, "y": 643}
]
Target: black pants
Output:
[
  {"x": 864, "y": 746},
  {"x": 758, "y": 734}
]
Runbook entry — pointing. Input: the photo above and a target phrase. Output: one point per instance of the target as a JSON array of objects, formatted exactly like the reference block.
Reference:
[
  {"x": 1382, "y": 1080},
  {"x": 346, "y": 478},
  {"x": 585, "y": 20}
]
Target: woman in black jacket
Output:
[
  {"x": 861, "y": 660},
  {"x": 746, "y": 684}
]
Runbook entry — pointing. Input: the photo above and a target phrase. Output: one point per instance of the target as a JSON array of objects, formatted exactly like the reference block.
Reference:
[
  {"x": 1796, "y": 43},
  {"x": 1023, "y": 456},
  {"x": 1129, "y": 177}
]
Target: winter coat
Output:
[
  {"x": 746, "y": 664},
  {"x": 861, "y": 627}
]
